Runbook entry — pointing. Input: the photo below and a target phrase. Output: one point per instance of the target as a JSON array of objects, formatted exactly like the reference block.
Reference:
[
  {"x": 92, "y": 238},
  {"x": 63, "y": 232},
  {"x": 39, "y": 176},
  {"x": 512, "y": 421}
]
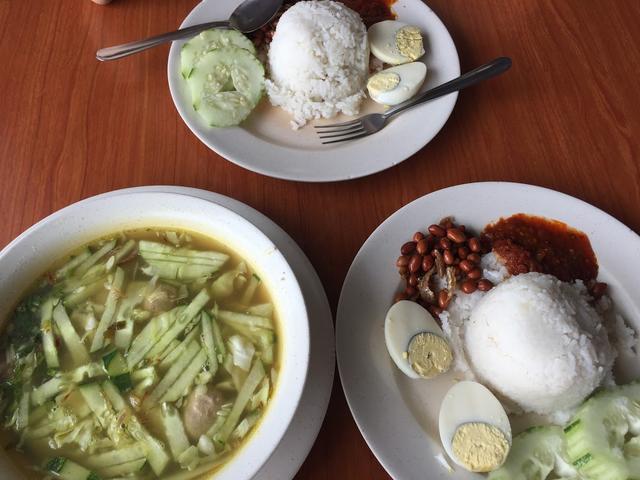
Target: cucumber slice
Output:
[
  {"x": 208, "y": 82},
  {"x": 597, "y": 432},
  {"x": 194, "y": 49},
  {"x": 76, "y": 348},
  {"x": 66, "y": 469},
  {"x": 118, "y": 370},
  {"x": 533, "y": 455},
  {"x": 128, "y": 453},
  {"x": 221, "y": 350},
  {"x": 48, "y": 340},
  {"x": 156, "y": 455},
  {"x": 252, "y": 381},
  {"x": 174, "y": 430},
  {"x": 115, "y": 363},
  {"x": 187, "y": 377},
  {"x": 123, "y": 382},
  {"x": 208, "y": 342},
  {"x": 124, "y": 469},
  {"x": 177, "y": 369},
  {"x": 250, "y": 321}
]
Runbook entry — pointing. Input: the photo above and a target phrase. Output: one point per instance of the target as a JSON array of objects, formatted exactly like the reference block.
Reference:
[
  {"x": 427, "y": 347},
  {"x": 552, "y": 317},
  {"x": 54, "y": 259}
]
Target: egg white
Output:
[
  {"x": 404, "y": 320},
  {"x": 382, "y": 41},
  {"x": 412, "y": 76},
  {"x": 470, "y": 402}
]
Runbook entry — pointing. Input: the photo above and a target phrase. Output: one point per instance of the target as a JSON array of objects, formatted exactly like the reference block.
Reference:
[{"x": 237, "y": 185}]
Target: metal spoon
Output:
[{"x": 249, "y": 16}]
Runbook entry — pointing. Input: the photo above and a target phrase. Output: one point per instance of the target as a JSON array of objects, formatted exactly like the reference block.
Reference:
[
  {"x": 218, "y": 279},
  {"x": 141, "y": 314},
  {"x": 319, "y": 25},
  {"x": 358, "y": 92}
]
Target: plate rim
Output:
[
  {"x": 346, "y": 149},
  {"x": 390, "y": 464}
]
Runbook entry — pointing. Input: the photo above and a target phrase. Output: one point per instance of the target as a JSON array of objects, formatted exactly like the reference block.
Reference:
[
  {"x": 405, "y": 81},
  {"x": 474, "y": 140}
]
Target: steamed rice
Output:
[
  {"x": 547, "y": 365},
  {"x": 318, "y": 61}
]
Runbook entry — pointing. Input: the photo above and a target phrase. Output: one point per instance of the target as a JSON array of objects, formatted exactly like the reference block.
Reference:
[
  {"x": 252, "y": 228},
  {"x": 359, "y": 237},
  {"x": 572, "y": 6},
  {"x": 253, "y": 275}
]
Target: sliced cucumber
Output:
[
  {"x": 78, "y": 351},
  {"x": 177, "y": 369},
  {"x": 632, "y": 454},
  {"x": 97, "y": 403},
  {"x": 66, "y": 469},
  {"x": 124, "y": 469},
  {"x": 156, "y": 455},
  {"x": 174, "y": 430},
  {"x": 533, "y": 455},
  {"x": 128, "y": 453},
  {"x": 114, "y": 363},
  {"x": 597, "y": 433},
  {"x": 262, "y": 310},
  {"x": 170, "y": 359},
  {"x": 183, "y": 322},
  {"x": 123, "y": 382},
  {"x": 149, "y": 336},
  {"x": 48, "y": 339},
  {"x": 252, "y": 381},
  {"x": 221, "y": 350},
  {"x": 194, "y": 49},
  {"x": 118, "y": 370},
  {"x": 111, "y": 305},
  {"x": 250, "y": 321},
  {"x": 171, "y": 263},
  {"x": 224, "y": 109},
  {"x": 187, "y": 377},
  {"x": 208, "y": 342},
  {"x": 209, "y": 84},
  {"x": 250, "y": 290}
]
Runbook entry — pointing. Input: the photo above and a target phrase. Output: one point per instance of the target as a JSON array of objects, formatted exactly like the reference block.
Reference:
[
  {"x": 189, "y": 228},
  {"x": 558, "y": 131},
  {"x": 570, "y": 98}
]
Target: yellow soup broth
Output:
[{"x": 146, "y": 354}]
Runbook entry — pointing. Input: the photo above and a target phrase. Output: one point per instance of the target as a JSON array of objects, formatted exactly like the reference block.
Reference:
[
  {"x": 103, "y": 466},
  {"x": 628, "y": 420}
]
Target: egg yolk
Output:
[
  {"x": 382, "y": 82},
  {"x": 480, "y": 447},
  {"x": 429, "y": 355},
  {"x": 409, "y": 42}
]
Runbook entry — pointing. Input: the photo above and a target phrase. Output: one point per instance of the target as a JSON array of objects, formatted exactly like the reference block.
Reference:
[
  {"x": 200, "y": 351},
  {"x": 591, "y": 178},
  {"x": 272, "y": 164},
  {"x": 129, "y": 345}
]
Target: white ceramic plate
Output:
[
  {"x": 266, "y": 144},
  {"x": 398, "y": 416},
  {"x": 303, "y": 430},
  {"x": 69, "y": 228}
]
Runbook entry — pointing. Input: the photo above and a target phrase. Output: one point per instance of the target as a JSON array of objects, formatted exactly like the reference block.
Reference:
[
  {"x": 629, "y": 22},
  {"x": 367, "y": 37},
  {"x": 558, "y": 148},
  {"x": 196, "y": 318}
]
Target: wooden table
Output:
[{"x": 564, "y": 117}]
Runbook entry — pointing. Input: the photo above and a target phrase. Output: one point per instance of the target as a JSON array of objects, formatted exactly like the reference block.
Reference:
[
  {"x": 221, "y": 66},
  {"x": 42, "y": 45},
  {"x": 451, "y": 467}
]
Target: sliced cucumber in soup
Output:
[
  {"x": 193, "y": 51},
  {"x": 219, "y": 106},
  {"x": 115, "y": 363},
  {"x": 66, "y": 469},
  {"x": 118, "y": 370},
  {"x": 123, "y": 382}
]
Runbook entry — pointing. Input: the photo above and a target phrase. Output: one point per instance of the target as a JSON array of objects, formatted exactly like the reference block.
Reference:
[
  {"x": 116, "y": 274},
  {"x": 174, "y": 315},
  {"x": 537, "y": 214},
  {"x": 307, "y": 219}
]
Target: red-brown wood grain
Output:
[{"x": 567, "y": 116}]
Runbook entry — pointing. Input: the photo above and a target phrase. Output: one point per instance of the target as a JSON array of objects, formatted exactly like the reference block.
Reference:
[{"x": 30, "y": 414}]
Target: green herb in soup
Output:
[{"x": 149, "y": 354}]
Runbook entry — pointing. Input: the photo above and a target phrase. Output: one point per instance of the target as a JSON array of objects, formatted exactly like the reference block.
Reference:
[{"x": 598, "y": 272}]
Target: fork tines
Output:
[
  {"x": 343, "y": 124},
  {"x": 344, "y": 139},
  {"x": 341, "y": 132}
]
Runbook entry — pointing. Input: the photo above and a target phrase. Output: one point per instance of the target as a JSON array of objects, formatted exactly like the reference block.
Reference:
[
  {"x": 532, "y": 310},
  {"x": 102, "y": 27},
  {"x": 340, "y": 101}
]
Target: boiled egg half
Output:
[
  {"x": 395, "y": 42},
  {"x": 474, "y": 428},
  {"x": 397, "y": 84},
  {"x": 415, "y": 342}
]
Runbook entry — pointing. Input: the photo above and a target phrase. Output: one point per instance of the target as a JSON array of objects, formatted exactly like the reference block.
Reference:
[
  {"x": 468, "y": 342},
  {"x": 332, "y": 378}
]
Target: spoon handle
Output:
[{"x": 119, "y": 51}]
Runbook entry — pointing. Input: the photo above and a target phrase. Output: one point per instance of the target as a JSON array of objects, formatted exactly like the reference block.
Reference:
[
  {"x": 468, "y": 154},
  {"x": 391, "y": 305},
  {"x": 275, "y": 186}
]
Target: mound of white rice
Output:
[
  {"x": 318, "y": 61},
  {"x": 535, "y": 341},
  {"x": 538, "y": 342}
]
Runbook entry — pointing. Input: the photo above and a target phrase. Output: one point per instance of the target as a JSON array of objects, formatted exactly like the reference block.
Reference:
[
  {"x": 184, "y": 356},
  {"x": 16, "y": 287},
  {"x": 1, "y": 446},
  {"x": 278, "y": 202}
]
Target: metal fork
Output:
[{"x": 374, "y": 122}]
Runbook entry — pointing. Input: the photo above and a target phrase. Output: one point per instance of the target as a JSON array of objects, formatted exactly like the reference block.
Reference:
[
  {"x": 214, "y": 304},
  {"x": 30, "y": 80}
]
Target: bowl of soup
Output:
[{"x": 147, "y": 335}]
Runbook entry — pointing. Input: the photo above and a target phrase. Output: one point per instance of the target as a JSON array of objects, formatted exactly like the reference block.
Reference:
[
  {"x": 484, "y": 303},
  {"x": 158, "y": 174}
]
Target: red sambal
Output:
[
  {"x": 527, "y": 243},
  {"x": 372, "y": 11}
]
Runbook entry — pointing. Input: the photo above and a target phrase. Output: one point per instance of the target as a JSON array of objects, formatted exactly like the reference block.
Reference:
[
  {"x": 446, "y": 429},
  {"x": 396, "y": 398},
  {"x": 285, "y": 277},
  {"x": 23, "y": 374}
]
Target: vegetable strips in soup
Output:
[{"x": 150, "y": 354}]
